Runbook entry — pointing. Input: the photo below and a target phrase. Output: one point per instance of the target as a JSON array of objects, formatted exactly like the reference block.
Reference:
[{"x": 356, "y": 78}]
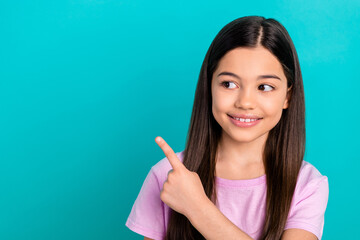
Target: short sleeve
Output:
[
  {"x": 147, "y": 214},
  {"x": 309, "y": 207}
]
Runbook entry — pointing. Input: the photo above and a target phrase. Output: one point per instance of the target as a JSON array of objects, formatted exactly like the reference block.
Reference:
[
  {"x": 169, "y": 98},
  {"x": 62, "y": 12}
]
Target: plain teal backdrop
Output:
[{"x": 87, "y": 85}]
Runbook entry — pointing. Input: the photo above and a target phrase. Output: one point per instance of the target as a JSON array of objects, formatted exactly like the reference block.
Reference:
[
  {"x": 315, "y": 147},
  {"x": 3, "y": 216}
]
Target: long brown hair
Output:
[{"x": 285, "y": 146}]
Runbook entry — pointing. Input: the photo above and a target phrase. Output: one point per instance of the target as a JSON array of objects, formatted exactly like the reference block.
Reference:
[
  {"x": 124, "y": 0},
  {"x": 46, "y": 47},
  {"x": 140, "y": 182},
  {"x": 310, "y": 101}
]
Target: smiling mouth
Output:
[{"x": 245, "y": 119}]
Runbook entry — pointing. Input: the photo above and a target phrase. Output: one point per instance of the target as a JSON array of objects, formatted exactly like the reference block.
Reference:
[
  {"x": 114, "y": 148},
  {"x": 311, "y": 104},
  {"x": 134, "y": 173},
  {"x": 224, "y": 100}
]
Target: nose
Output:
[{"x": 245, "y": 99}]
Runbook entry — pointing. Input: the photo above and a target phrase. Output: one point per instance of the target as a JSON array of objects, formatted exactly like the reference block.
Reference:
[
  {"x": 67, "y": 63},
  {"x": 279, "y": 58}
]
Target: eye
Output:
[
  {"x": 227, "y": 83},
  {"x": 265, "y": 87}
]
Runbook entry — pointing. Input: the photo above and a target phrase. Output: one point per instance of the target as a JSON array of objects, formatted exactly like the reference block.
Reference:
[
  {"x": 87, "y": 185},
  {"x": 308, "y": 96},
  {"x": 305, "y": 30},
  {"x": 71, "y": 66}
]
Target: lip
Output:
[
  {"x": 250, "y": 116},
  {"x": 244, "y": 124}
]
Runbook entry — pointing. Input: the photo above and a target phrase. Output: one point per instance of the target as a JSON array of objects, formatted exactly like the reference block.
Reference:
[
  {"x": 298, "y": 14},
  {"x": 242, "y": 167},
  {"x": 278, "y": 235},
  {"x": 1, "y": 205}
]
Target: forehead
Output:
[{"x": 250, "y": 62}]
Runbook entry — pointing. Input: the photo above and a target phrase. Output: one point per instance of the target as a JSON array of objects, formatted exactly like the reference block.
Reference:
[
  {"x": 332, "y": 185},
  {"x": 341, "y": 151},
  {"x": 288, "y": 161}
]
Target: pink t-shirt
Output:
[{"x": 241, "y": 201}]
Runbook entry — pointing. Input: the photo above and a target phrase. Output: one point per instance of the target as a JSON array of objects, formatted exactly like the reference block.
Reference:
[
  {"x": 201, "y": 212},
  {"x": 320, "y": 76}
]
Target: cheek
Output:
[
  {"x": 219, "y": 105},
  {"x": 216, "y": 107},
  {"x": 273, "y": 108},
  {"x": 222, "y": 103}
]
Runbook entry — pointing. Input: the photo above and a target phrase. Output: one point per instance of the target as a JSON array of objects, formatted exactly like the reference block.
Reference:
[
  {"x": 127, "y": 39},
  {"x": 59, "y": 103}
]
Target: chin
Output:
[{"x": 245, "y": 139}]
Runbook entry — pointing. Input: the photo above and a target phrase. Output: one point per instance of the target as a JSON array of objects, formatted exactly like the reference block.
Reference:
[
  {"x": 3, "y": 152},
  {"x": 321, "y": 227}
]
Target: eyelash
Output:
[{"x": 223, "y": 84}]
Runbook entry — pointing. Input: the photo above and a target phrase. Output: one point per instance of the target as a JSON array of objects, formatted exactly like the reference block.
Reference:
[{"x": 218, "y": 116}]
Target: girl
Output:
[{"x": 242, "y": 173}]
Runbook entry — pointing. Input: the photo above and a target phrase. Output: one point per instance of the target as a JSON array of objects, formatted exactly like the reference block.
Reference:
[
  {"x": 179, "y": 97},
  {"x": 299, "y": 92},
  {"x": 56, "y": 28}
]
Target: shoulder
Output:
[
  {"x": 149, "y": 214},
  {"x": 309, "y": 200},
  {"x": 309, "y": 175},
  {"x": 311, "y": 192}
]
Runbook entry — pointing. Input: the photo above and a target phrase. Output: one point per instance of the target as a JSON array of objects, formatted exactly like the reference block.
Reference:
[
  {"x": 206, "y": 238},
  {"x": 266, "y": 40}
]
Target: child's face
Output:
[{"x": 251, "y": 93}]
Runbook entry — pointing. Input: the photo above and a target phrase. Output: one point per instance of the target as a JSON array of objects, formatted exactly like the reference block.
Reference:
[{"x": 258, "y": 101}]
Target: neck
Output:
[{"x": 241, "y": 153}]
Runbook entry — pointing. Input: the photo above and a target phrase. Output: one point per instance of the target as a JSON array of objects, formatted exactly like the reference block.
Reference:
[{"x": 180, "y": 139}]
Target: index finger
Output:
[{"x": 169, "y": 153}]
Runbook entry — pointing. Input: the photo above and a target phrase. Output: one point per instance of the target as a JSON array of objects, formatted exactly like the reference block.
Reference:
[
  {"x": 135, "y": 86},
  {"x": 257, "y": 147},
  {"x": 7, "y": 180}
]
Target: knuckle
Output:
[
  {"x": 171, "y": 177},
  {"x": 194, "y": 174},
  {"x": 163, "y": 196}
]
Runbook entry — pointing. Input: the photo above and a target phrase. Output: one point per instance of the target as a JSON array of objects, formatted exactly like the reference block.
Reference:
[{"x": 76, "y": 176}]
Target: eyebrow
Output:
[{"x": 259, "y": 77}]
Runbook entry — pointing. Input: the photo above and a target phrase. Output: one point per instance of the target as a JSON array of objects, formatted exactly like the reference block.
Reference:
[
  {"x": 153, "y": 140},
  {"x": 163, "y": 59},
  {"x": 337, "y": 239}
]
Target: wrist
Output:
[{"x": 199, "y": 210}]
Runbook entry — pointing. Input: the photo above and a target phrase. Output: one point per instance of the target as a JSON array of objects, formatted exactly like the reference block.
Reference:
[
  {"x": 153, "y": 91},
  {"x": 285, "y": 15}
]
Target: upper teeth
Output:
[{"x": 245, "y": 119}]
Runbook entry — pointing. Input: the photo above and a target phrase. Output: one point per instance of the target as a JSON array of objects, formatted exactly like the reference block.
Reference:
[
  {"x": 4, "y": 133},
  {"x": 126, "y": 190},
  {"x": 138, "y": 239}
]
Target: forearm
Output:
[{"x": 214, "y": 225}]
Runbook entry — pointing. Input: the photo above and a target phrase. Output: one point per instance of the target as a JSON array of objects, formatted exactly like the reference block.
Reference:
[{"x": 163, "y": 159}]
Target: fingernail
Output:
[{"x": 158, "y": 139}]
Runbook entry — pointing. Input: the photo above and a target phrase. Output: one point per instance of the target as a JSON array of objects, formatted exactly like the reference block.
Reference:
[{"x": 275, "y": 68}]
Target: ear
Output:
[{"x": 288, "y": 97}]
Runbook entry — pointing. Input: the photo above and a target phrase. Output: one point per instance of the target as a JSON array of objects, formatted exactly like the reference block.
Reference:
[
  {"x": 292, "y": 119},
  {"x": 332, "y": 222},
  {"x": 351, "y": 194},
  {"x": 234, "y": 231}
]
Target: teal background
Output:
[{"x": 86, "y": 86}]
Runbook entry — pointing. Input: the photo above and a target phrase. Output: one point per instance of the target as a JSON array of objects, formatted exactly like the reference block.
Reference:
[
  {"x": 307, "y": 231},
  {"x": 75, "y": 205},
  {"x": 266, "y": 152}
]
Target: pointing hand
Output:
[{"x": 182, "y": 191}]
